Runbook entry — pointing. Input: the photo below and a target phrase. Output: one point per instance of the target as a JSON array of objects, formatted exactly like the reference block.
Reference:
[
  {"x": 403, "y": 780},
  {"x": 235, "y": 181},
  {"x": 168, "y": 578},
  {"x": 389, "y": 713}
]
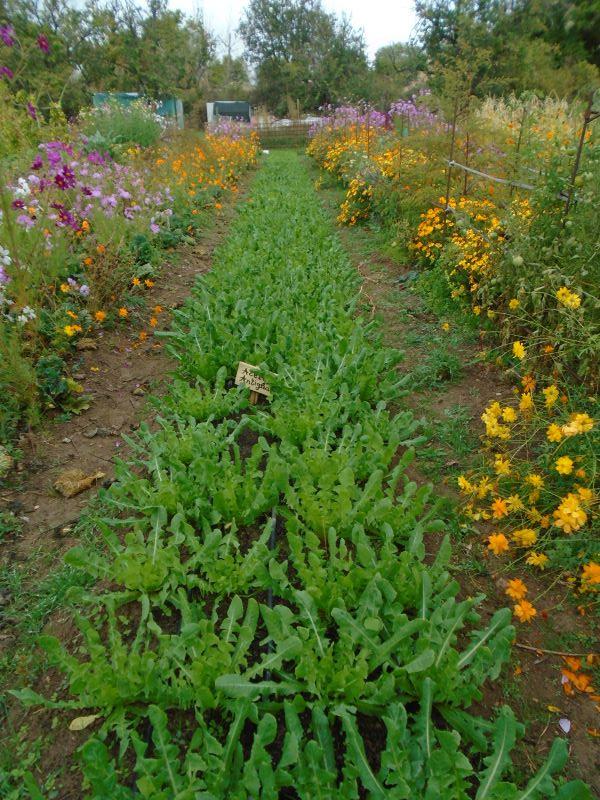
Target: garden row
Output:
[
  {"x": 86, "y": 220},
  {"x": 514, "y": 261},
  {"x": 265, "y": 621}
]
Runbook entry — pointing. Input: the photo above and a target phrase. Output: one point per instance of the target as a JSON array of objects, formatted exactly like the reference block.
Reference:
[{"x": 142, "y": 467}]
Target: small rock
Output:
[
  {"x": 73, "y": 481},
  {"x": 90, "y": 433},
  {"x": 86, "y": 344},
  {"x": 67, "y": 440},
  {"x": 104, "y": 432},
  {"x": 139, "y": 391},
  {"x": 79, "y": 376}
]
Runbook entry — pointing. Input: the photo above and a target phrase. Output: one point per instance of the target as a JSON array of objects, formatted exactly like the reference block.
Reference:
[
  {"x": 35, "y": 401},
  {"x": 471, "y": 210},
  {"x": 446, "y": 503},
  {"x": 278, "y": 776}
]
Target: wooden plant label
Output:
[{"x": 247, "y": 375}]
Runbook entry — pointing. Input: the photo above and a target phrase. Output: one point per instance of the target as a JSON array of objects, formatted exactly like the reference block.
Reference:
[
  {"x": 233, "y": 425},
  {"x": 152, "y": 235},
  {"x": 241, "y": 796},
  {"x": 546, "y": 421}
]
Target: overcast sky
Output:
[{"x": 383, "y": 21}]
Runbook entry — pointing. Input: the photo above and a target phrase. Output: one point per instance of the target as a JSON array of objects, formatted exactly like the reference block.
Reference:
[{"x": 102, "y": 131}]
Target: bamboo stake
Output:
[{"x": 588, "y": 116}]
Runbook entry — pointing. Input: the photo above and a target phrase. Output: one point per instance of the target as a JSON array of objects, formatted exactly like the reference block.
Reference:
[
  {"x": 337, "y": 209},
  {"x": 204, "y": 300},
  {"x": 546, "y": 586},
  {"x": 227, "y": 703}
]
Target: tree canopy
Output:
[{"x": 302, "y": 53}]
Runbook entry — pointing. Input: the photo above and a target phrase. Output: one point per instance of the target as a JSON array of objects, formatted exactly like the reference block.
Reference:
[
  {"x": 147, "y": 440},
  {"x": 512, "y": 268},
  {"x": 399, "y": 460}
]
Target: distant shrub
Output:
[{"x": 112, "y": 126}]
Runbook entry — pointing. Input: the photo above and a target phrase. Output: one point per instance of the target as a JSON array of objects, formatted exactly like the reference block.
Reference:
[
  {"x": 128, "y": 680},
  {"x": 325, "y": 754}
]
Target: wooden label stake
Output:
[{"x": 248, "y": 376}]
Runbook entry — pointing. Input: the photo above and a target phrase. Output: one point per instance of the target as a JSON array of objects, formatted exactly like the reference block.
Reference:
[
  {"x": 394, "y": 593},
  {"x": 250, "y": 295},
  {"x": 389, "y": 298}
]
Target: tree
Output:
[{"x": 301, "y": 52}]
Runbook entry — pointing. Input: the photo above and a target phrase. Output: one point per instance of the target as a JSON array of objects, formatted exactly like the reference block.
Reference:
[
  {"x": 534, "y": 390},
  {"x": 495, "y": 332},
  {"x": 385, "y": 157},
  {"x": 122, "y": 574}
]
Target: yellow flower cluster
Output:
[
  {"x": 356, "y": 203},
  {"x": 568, "y": 298},
  {"x": 492, "y": 417},
  {"x": 570, "y": 516}
]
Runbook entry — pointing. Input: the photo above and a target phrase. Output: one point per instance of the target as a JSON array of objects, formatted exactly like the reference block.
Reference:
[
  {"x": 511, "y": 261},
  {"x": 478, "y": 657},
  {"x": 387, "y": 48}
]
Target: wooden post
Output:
[
  {"x": 451, "y": 157},
  {"x": 588, "y": 116},
  {"x": 253, "y": 397},
  {"x": 466, "y": 180},
  {"x": 518, "y": 149}
]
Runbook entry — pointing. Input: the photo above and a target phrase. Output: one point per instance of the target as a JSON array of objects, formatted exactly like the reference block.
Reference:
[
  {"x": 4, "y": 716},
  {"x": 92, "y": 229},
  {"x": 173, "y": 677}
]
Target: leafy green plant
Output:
[{"x": 265, "y": 598}]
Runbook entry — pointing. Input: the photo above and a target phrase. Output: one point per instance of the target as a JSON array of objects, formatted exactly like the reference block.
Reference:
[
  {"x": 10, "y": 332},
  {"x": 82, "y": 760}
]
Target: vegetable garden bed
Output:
[{"x": 268, "y": 624}]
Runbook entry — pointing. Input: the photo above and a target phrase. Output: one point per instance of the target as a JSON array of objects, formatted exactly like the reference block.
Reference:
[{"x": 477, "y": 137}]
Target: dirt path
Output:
[{"x": 532, "y": 683}]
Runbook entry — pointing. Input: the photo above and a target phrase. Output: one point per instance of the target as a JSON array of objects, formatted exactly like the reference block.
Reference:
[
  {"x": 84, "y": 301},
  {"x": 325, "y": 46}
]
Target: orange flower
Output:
[
  {"x": 149, "y": 283},
  {"x": 497, "y": 543},
  {"x": 516, "y": 589},
  {"x": 136, "y": 282},
  {"x": 590, "y": 577},
  {"x": 143, "y": 336},
  {"x": 153, "y": 322},
  {"x": 580, "y": 680},
  {"x": 499, "y": 508},
  {"x": 528, "y": 383},
  {"x": 88, "y": 261},
  {"x": 100, "y": 316},
  {"x": 157, "y": 309},
  {"x": 123, "y": 313},
  {"x": 101, "y": 249},
  {"x": 524, "y": 611}
]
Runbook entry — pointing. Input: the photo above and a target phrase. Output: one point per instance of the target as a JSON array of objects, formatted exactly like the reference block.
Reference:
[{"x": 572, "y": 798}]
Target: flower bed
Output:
[{"x": 81, "y": 233}]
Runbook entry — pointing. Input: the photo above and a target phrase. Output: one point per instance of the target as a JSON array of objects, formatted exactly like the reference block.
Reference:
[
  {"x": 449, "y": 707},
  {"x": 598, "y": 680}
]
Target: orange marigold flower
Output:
[
  {"x": 123, "y": 312},
  {"x": 153, "y": 322},
  {"x": 524, "y": 611},
  {"x": 528, "y": 383},
  {"x": 497, "y": 543},
  {"x": 88, "y": 261},
  {"x": 149, "y": 283},
  {"x": 100, "y": 316},
  {"x": 136, "y": 282},
  {"x": 516, "y": 589},
  {"x": 590, "y": 577},
  {"x": 157, "y": 309},
  {"x": 499, "y": 508},
  {"x": 143, "y": 336},
  {"x": 101, "y": 249}
]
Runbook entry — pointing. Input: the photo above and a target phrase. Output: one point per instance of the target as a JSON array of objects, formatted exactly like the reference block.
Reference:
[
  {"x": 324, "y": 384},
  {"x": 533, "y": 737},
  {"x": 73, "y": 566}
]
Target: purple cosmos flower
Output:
[
  {"x": 4, "y": 279},
  {"x": 31, "y": 111},
  {"x": 72, "y": 283},
  {"x": 65, "y": 218},
  {"x": 65, "y": 179},
  {"x": 95, "y": 158},
  {"x": 43, "y": 43},
  {"x": 6, "y": 34},
  {"x": 84, "y": 290},
  {"x": 25, "y": 221},
  {"x": 154, "y": 227},
  {"x": 6, "y": 72}
]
